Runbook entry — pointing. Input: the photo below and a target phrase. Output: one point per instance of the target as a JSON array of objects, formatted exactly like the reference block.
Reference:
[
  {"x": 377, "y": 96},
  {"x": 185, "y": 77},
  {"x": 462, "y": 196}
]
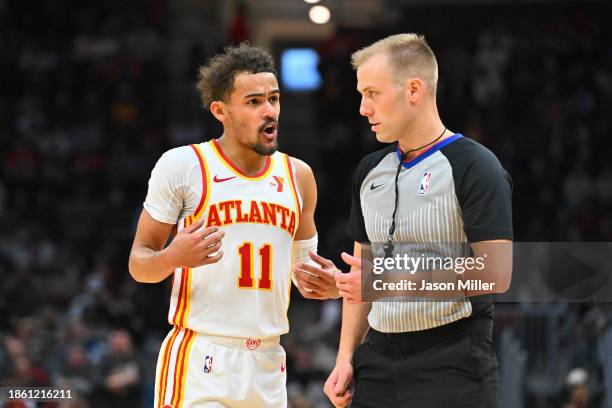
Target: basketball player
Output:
[{"x": 241, "y": 213}]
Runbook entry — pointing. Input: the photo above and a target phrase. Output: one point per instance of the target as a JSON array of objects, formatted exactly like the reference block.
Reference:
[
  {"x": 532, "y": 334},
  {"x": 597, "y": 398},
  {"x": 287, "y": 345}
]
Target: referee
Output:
[{"x": 429, "y": 186}]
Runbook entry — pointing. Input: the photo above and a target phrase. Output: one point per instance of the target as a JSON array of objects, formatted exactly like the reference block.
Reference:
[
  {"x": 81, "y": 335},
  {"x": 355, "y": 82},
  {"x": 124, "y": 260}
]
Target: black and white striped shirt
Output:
[{"x": 457, "y": 191}]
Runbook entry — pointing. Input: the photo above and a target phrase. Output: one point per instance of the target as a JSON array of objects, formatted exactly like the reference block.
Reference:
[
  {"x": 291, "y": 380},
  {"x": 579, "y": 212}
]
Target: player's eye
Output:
[
  {"x": 252, "y": 102},
  {"x": 274, "y": 99}
]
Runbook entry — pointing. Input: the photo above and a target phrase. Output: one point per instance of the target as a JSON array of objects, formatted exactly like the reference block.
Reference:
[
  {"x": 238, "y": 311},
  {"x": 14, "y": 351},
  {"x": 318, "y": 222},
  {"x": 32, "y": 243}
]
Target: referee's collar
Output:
[{"x": 413, "y": 162}]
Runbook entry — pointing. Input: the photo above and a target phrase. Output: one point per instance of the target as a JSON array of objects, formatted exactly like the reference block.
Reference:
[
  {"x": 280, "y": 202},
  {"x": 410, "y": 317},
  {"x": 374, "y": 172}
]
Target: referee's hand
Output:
[
  {"x": 337, "y": 385},
  {"x": 349, "y": 284}
]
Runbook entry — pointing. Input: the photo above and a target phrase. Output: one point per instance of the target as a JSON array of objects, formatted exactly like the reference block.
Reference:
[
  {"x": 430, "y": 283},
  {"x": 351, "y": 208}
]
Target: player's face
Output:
[
  {"x": 252, "y": 111},
  {"x": 382, "y": 99}
]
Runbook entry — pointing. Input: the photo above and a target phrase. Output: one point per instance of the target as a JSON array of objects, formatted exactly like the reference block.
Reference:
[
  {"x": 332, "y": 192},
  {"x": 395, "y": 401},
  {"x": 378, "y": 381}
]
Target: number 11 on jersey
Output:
[{"x": 246, "y": 279}]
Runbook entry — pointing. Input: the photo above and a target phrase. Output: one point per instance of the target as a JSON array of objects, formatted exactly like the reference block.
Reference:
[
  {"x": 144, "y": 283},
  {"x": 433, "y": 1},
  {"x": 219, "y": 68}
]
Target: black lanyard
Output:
[{"x": 388, "y": 247}]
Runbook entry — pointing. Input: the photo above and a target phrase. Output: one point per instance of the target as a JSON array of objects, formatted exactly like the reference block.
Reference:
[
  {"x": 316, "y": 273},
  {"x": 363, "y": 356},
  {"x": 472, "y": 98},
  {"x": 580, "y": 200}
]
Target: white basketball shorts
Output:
[{"x": 196, "y": 370}]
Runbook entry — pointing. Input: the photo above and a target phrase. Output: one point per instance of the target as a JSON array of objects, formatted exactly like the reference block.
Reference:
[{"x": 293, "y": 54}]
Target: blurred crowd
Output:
[{"x": 90, "y": 99}]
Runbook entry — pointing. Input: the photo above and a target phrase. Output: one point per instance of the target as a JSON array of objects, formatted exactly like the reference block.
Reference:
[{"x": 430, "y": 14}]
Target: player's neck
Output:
[{"x": 246, "y": 159}]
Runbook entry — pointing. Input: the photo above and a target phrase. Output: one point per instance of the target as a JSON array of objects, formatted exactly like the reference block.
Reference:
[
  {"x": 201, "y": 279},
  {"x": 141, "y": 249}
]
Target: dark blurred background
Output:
[{"x": 92, "y": 92}]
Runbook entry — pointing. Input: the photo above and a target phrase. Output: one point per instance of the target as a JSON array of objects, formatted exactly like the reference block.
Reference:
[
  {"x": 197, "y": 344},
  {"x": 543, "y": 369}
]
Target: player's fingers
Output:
[
  {"x": 306, "y": 278},
  {"x": 312, "y": 290},
  {"x": 207, "y": 232},
  {"x": 313, "y": 295},
  {"x": 194, "y": 226},
  {"x": 351, "y": 260},
  {"x": 213, "y": 238},
  {"x": 211, "y": 250},
  {"x": 306, "y": 294},
  {"x": 309, "y": 290},
  {"x": 312, "y": 269},
  {"x": 204, "y": 250},
  {"x": 319, "y": 259},
  {"x": 328, "y": 277},
  {"x": 325, "y": 277},
  {"x": 211, "y": 259}
]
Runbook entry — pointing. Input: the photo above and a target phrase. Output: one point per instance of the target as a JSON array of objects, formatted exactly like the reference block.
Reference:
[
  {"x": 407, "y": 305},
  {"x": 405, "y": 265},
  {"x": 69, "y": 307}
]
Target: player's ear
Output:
[
  {"x": 217, "y": 108},
  {"x": 414, "y": 88}
]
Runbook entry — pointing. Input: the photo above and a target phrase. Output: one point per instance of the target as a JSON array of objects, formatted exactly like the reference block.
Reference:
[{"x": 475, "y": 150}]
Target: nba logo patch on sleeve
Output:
[
  {"x": 208, "y": 364},
  {"x": 425, "y": 180}
]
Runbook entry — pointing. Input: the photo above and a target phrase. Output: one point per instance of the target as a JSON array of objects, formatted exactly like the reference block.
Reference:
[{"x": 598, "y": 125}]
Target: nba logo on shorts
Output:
[
  {"x": 208, "y": 361},
  {"x": 425, "y": 183}
]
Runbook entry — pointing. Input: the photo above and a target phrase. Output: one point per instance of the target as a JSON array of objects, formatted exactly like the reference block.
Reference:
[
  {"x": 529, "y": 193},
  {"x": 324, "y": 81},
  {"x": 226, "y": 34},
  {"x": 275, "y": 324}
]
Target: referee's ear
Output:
[{"x": 414, "y": 90}]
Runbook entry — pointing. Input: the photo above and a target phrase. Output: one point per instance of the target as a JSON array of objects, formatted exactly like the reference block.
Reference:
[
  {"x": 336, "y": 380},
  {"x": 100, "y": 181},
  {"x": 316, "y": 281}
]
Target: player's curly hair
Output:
[{"x": 216, "y": 77}]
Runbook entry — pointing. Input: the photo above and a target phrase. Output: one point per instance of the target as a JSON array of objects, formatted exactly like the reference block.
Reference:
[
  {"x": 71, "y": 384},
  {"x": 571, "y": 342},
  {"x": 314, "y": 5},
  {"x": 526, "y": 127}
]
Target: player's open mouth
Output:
[
  {"x": 270, "y": 132},
  {"x": 374, "y": 125}
]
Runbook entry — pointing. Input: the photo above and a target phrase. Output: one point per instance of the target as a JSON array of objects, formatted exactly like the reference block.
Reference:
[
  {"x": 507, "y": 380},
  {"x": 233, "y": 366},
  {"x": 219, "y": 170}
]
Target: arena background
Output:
[{"x": 92, "y": 92}]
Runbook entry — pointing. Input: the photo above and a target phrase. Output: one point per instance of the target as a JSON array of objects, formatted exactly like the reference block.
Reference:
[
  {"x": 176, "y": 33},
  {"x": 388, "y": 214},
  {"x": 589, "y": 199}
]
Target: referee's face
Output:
[{"x": 382, "y": 100}]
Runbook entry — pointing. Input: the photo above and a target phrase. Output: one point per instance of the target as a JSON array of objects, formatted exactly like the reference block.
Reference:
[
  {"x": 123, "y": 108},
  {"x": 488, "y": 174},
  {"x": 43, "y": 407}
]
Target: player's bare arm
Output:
[
  {"x": 314, "y": 281},
  {"x": 308, "y": 190},
  {"x": 193, "y": 246}
]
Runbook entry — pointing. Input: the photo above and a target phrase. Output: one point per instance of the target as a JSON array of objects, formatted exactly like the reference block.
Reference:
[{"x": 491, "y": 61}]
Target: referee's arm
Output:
[
  {"x": 484, "y": 193},
  {"x": 354, "y": 318},
  {"x": 354, "y": 328},
  {"x": 498, "y": 266},
  {"x": 489, "y": 271}
]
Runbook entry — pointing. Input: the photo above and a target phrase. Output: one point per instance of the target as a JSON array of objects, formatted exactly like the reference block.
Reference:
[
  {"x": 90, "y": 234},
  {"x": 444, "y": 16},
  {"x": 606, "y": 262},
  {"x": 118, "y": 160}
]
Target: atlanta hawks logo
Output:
[
  {"x": 252, "y": 344},
  {"x": 425, "y": 180},
  {"x": 279, "y": 183}
]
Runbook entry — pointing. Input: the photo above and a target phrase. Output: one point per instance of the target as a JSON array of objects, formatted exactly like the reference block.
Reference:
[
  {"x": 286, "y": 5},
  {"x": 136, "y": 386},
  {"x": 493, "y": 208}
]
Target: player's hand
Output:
[
  {"x": 337, "y": 385},
  {"x": 195, "y": 246},
  {"x": 316, "y": 281},
  {"x": 349, "y": 284}
]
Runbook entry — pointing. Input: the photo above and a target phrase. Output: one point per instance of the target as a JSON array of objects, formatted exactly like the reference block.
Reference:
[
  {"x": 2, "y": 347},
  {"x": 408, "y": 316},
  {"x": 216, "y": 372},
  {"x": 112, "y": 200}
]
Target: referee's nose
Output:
[{"x": 364, "y": 108}]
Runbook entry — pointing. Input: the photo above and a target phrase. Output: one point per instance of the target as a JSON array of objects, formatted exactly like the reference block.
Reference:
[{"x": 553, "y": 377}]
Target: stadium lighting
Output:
[
  {"x": 319, "y": 14},
  {"x": 312, "y": 1}
]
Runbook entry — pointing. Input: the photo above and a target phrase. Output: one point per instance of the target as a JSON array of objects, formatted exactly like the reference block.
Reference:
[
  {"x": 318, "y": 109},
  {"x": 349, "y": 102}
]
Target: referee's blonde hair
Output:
[{"x": 409, "y": 56}]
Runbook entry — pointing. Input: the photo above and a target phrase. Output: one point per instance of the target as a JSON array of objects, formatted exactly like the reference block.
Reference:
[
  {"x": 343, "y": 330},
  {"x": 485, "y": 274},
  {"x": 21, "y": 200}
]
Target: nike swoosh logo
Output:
[
  {"x": 373, "y": 187},
  {"x": 216, "y": 179}
]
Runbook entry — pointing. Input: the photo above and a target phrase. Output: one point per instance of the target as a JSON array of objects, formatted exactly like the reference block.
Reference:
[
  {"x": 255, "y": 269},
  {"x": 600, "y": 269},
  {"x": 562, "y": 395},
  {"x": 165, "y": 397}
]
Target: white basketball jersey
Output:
[{"x": 245, "y": 294}]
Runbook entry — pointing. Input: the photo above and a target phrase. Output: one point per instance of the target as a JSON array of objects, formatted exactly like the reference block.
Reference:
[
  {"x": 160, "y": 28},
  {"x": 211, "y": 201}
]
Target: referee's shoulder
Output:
[
  {"x": 370, "y": 160},
  {"x": 468, "y": 152}
]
